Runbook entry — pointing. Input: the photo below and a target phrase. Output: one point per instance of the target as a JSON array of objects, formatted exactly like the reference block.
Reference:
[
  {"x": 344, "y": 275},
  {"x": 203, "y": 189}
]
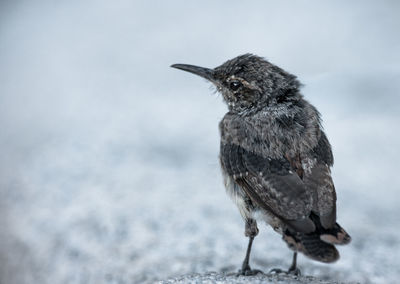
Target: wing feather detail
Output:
[
  {"x": 271, "y": 184},
  {"x": 318, "y": 180}
]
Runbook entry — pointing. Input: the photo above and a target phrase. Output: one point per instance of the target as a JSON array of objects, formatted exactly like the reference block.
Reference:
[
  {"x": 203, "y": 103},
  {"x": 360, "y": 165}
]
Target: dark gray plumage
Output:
[{"x": 275, "y": 157}]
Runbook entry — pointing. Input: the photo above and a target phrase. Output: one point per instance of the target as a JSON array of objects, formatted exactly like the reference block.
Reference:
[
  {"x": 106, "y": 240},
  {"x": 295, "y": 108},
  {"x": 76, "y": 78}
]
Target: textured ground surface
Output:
[
  {"x": 108, "y": 157},
  {"x": 213, "y": 277}
]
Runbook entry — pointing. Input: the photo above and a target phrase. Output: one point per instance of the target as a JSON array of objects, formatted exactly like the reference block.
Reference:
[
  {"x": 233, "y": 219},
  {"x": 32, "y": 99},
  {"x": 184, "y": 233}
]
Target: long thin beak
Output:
[{"x": 201, "y": 71}]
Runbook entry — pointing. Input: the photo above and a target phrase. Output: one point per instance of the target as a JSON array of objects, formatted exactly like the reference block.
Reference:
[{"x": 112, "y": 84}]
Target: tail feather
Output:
[
  {"x": 335, "y": 235},
  {"x": 318, "y": 245},
  {"x": 312, "y": 246}
]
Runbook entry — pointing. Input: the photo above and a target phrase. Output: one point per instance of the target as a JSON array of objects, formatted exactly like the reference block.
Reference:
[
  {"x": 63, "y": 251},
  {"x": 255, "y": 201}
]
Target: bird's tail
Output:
[{"x": 318, "y": 245}]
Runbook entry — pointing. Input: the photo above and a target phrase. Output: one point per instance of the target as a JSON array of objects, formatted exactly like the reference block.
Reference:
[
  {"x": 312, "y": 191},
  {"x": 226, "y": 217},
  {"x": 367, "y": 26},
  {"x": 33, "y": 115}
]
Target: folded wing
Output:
[{"x": 271, "y": 184}]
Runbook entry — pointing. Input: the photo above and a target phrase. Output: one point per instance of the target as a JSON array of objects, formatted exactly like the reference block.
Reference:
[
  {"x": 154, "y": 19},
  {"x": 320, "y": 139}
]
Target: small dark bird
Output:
[{"x": 276, "y": 158}]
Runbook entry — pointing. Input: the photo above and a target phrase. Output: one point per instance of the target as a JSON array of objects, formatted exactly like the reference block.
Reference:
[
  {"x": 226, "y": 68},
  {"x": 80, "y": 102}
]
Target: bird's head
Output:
[{"x": 249, "y": 83}]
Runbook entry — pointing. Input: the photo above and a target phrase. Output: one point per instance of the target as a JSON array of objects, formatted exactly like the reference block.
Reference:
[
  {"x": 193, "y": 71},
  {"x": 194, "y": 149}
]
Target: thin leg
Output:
[
  {"x": 245, "y": 265},
  {"x": 251, "y": 231},
  {"x": 294, "y": 262},
  {"x": 293, "y": 268}
]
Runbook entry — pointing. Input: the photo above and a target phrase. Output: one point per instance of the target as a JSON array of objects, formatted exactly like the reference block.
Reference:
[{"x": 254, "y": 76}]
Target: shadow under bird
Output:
[{"x": 276, "y": 158}]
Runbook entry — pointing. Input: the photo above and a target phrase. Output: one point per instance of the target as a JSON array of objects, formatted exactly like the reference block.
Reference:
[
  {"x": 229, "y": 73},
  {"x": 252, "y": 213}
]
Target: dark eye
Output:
[{"x": 235, "y": 85}]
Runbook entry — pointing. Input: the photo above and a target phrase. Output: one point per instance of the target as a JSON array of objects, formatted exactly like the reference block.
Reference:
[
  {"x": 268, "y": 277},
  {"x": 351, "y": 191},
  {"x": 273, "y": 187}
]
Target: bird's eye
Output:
[{"x": 235, "y": 85}]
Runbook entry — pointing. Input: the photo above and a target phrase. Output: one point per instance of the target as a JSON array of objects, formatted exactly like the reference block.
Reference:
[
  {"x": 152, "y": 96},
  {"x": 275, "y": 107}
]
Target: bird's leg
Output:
[
  {"x": 292, "y": 269},
  {"x": 251, "y": 231}
]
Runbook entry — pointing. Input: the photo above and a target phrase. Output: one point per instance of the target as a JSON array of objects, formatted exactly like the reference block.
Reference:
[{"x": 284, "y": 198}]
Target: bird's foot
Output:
[
  {"x": 294, "y": 271},
  {"x": 247, "y": 271},
  {"x": 291, "y": 271}
]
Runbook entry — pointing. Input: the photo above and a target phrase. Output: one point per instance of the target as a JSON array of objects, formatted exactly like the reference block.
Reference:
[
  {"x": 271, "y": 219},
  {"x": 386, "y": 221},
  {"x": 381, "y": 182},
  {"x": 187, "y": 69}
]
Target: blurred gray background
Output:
[{"x": 109, "y": 158}]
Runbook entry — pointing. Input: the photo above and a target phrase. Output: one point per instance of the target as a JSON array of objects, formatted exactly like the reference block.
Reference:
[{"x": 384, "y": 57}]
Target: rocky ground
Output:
[{"x": 214, "y": 277}]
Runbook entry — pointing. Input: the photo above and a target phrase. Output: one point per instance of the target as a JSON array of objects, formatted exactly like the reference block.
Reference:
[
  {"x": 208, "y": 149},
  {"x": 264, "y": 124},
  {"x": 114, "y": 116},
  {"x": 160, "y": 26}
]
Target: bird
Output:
[{"x": 275, "y": 158}]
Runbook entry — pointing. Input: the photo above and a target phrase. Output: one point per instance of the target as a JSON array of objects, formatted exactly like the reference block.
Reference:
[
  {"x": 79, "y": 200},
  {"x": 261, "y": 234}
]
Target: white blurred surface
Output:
[{"x": 109, "y": 170}]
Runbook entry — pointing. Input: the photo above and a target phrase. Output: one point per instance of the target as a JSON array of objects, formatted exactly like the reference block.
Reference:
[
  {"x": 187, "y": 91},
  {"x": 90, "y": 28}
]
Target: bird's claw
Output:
[
  {"x": 291, "y": 271},
  {"x": 247, "y": 271},
  {"x": 276, "y": 271},
  {"x": 294, "y": 271}
]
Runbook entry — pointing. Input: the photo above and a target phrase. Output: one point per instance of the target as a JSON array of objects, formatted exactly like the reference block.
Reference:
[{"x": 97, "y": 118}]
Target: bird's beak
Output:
[{"x": 201, "y": 71}]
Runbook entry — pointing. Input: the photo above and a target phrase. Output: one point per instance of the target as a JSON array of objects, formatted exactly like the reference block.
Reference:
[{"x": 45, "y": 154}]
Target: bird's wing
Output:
[
  {"x": 318, "y": 180},
  {"x": 271, "y": 184}
]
